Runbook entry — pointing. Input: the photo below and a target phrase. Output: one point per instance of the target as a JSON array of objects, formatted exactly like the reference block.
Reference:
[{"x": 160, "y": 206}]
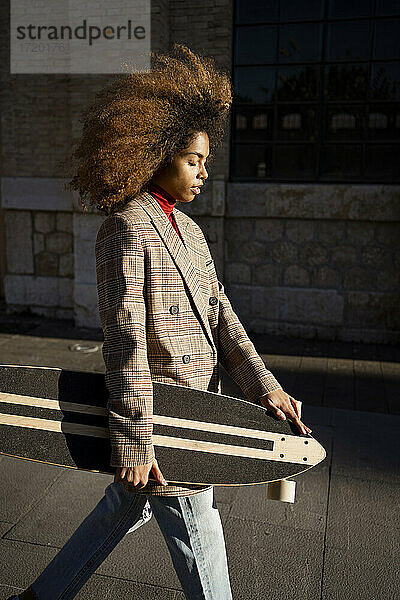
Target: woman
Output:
[{"x": 165, "y": 316}]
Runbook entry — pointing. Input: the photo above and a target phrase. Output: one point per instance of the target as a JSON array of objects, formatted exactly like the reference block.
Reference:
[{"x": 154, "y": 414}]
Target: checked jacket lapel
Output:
[{"x": 183, "y": 254}]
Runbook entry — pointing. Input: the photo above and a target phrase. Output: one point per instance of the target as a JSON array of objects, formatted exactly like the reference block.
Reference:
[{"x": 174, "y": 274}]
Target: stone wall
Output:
[
  {"x": 315, "y": 260},
  {"x": 40, "y": 266}
]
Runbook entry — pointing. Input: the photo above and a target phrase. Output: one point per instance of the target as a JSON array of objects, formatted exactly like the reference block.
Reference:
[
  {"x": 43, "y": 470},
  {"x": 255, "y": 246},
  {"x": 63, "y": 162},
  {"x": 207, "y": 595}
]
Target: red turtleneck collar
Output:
[{"x": 166, "y": 201}]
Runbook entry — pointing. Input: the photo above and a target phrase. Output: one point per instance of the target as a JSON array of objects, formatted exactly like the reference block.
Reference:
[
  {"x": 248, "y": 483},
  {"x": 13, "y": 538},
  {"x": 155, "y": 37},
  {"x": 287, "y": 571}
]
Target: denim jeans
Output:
[{"x": 191, "y": 527}]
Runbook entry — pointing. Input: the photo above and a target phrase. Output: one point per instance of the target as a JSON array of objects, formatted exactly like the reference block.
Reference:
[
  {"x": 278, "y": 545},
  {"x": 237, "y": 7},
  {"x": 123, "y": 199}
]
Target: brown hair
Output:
[{"x": 139, "y": 122}]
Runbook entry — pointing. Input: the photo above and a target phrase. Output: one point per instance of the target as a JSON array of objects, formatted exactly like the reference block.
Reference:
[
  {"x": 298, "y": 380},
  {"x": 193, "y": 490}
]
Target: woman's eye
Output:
[{"x": 192, "y": 164}]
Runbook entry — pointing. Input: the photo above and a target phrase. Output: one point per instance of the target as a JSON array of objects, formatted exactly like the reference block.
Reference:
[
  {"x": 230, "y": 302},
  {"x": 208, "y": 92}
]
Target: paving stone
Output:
[
  {"x": 368, "y": 451},
  {"x": 369, "y": 387},
  {"x": 115, "y": 588},
  {"x": 53, "y": 520},
  {"x": 50, "y": 351},
  {"x": 338, "y": 389},
  {"x": 7, "y": 590},
  {"x": 359, "y": 576},
  {"x": 226, "y": 493},
  {"x": 21, "y": 563},
  {"x": 311, "y": 378},
  {"x": 36, "y": 558},
  {"x": 111, "y": 587},
  {"x": 4, "y": 527},
  {"x": 273, "y": 561},
  {"x": 317, "y": 415},
  {"x": 363, "y": 514},
  {"x": 23, "y": 483}
]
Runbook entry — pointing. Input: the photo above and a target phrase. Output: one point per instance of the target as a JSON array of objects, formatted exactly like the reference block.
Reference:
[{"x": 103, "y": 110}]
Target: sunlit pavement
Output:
[{"x": 338, "y": 541}]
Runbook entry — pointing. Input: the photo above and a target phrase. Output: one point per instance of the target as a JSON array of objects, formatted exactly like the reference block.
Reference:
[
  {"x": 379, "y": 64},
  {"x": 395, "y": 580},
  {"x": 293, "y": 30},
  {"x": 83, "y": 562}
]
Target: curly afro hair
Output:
[{"x": 141, "y": 121}]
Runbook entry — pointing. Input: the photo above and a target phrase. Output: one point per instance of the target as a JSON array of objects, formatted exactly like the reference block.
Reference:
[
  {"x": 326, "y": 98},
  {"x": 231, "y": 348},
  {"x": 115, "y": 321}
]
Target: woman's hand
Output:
[
  {"x": 139, "y": 475},
  {"x": 284, "y": 406}
]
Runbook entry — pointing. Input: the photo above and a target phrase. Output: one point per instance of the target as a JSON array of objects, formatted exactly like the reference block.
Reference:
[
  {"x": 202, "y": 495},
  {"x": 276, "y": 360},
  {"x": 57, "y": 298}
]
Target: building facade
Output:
[{"x": 302, "y": 207}]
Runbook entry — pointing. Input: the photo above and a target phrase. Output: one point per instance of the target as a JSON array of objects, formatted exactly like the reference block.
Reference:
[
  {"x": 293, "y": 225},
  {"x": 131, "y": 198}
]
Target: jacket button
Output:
[
  {"x": 186, "y": 358},
  {"x": 213, "y": 300},
  {"x": 174, "y": 309}
]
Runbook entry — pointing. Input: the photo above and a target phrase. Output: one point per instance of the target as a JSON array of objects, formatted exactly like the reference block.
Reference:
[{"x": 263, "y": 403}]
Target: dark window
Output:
[
  {"x": 298, "y": 83},
  {"x": 386, "y": 38},
  {"x": 348, "y": 40},
  {"x": 256, "y": 45},
  {"x": 346, "y": 81},
  {"x": 300, "y": 42},
  {"x": 385, "y": 81},
  {"x": 316, "y": 90},
  {"x": 344, "y": 8}
]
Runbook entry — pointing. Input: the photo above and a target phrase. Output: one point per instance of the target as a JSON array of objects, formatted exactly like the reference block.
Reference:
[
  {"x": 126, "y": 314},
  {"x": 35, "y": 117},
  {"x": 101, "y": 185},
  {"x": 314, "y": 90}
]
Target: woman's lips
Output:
[{"x": 196, "y": 190}]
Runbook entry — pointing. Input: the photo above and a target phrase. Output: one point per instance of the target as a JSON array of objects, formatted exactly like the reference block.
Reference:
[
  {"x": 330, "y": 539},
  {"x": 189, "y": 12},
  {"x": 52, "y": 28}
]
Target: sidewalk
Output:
[{"x": 339, "y": 541}]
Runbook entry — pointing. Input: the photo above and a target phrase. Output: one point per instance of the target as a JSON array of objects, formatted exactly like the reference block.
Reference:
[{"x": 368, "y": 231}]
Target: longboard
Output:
[{"x": 59, "y": 417}]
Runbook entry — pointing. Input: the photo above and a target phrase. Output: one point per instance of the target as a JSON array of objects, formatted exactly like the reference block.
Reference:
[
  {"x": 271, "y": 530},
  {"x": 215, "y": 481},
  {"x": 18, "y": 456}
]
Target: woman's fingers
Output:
[
  {"x": 119, "y": 473},
  {"x": 287, "y": 411},
  {"x": 295, "y": 405},
  {"x": 157, "y": 473}
]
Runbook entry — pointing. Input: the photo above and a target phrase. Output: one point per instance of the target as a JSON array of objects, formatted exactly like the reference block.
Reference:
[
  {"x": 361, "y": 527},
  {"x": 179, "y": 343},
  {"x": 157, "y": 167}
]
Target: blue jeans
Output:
[{"x": 191, "y": 526}]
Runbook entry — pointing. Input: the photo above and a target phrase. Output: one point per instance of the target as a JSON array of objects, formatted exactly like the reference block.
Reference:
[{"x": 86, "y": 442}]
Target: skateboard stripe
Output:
[
  {"x": 171, "y": 442},
  {"x": 157, "y": 419},
  {"x": 52, "y": 404}
]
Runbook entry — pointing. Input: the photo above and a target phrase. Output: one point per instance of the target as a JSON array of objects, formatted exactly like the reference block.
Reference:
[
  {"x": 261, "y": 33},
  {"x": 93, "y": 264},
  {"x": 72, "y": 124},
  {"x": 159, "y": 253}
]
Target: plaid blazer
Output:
[{"x": 165, "y": 318}]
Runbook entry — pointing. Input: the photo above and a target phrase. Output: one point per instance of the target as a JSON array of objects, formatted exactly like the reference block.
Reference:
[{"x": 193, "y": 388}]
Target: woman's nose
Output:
[{"x": 204, "y": 172}]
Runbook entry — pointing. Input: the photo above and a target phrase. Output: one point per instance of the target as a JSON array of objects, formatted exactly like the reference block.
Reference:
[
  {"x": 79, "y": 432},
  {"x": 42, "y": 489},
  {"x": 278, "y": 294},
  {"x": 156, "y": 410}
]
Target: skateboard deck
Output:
[{"x": 59, "y": 417}]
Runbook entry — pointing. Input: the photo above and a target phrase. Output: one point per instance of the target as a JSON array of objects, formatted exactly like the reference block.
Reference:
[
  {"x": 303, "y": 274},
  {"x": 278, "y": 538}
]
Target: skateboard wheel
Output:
[{"x": 283, "y": 490}]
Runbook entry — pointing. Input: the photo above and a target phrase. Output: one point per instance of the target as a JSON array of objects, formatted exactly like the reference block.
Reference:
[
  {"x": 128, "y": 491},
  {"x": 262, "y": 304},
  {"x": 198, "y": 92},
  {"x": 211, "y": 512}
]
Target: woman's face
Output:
[{"x": 186, "y": 171}]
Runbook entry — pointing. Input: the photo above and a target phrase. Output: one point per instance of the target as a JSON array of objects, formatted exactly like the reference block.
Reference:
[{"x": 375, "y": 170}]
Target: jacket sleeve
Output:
[
  {"x": 238, "y": 355},
  {"x": 122, "y": 310}
]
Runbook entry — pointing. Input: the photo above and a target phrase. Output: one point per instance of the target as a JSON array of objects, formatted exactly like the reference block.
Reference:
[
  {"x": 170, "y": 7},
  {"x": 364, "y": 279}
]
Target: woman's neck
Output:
[{"x": 165, "y": 199}]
